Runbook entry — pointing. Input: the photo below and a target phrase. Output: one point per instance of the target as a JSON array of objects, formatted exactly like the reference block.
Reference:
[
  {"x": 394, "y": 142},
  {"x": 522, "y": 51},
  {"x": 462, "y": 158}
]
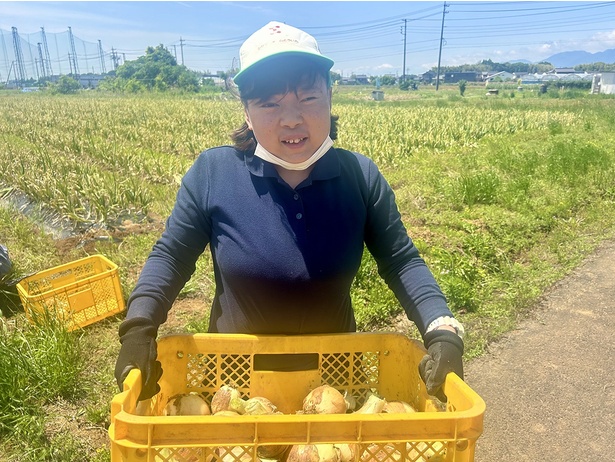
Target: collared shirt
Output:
[{"x": 284, "y": 259}]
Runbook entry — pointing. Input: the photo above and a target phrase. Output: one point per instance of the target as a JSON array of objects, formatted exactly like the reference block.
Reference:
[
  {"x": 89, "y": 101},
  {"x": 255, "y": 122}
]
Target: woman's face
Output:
[{"x": 292, "y": 125}]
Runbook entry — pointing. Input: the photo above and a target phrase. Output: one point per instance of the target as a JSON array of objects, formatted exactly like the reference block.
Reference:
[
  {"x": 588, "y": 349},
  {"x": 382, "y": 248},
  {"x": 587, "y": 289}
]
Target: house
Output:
[
  {"x": 361, "y": 79},
  {"x": 564, "y": 71},
  {"x": 428, "y": 76},
  {"x": 90, "y": 80},
  {"x": 500, "y": 77},
  {"x": 454, "y": 77}
]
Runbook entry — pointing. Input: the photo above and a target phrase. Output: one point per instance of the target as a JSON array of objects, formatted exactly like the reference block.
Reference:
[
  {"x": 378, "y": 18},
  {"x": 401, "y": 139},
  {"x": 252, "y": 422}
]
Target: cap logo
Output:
[{"x": 275, "y": 30}]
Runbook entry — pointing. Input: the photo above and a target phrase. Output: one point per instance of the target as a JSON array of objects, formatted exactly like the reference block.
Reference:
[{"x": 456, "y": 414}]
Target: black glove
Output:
[
  {"x": 138, "y": 339},
  {"x": 445, "y": 352}
]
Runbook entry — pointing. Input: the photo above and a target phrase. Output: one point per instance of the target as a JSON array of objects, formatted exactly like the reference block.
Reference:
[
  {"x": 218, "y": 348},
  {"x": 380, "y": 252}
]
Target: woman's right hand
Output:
[{"x": 139, "y": 350}]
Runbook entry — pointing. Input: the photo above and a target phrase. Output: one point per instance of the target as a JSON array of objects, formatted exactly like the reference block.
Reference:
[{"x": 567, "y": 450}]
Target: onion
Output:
[
  {"x": 324, "y": 400},
  {"x": 373, "y": 405},
  {"x": 227, "y": 398},
  {"x": 424, "y": 452},
  {"x": 398, "y": 407},
  {"x": 234, "y": 454},
  {"x": 271, "y": 451},
  {"x": 187, "y": 404},
  {"x": 313, "y": 453},
  {"x": 260, "y": 406},
  {"x": 227, "y": 413},
  {"x": 381, "y": 453},
  {"x": 347, "y": 451},
  {"x": 351, "y": 403}
]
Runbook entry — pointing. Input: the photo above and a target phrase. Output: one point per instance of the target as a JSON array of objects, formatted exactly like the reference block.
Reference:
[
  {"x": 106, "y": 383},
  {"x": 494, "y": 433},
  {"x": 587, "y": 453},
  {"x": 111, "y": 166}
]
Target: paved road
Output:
[{"x": 549, "y": 386}]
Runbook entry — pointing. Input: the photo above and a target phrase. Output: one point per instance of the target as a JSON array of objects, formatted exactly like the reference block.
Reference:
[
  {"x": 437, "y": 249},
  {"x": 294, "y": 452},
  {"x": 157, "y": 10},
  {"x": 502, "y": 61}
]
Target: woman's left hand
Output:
[{"x": 444, "y": 355}]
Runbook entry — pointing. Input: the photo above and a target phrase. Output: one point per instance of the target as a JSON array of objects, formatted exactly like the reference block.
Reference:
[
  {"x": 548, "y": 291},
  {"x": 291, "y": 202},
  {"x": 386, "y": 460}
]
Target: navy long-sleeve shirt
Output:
[{"x": 284, "y": 259}]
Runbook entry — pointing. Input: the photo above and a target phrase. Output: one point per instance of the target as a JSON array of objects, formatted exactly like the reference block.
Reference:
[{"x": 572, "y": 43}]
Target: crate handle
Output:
[
  {"x": 82, "y": 299},
  {"x": 286, "y": 362}
]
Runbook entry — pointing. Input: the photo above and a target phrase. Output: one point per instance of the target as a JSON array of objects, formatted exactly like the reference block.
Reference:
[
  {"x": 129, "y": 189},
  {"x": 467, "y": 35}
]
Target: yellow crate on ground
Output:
[
  {"x": 359, "y": 363},
  {"x": 77, "y": 293}
]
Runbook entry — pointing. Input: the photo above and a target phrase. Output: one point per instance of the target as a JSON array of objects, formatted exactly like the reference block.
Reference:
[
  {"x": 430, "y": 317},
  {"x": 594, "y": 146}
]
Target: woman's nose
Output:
[{"x": 291, "y": 116}]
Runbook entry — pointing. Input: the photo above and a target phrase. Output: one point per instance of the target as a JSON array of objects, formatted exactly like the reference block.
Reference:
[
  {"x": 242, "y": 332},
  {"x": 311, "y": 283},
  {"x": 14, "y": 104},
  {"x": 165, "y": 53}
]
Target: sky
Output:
[{"x": 362, "y": 37}]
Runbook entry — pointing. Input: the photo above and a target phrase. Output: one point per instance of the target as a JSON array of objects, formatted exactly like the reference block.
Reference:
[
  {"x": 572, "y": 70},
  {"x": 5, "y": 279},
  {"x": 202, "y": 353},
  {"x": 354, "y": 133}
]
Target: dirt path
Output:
[{"x": 549, "y": 385}]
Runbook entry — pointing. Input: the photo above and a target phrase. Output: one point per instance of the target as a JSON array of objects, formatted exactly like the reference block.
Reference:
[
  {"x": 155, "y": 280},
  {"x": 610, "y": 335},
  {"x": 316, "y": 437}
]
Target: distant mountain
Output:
[{"x": 574, "y": 58}]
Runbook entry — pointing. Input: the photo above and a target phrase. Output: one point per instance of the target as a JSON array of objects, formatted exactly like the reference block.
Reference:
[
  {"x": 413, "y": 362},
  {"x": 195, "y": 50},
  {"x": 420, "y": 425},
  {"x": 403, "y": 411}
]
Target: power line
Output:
[{"x": 512, "y": 24}]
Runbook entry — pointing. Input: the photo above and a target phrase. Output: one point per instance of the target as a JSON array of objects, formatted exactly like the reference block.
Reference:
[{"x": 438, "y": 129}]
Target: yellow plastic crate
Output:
[
  {"x": 77, "y": 293},
  {"x": 361, "y": 363}
]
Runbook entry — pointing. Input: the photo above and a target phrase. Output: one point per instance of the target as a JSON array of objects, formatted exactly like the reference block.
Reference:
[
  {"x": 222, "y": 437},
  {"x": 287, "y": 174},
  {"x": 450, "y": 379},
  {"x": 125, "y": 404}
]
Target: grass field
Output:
[{"x": 503, "y": 195}]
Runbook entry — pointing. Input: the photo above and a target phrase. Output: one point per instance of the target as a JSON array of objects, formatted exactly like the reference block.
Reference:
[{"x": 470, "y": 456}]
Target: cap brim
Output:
[{"x": 258, "y": 66}]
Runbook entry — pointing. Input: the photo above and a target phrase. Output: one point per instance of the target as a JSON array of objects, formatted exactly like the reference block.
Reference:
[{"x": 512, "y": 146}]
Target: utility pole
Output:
[
  {"x": 74, "y": 52},
  {"x": 114, "y": 58},
  {"x": 20, "y": 69},
  {"x": 47, "y": 56},
  {"x": 101, "y": 53},
  {"x": 440, "y": 52},
  {"x": 181, "y": 48},
  {"x": 403, "y": 74}
]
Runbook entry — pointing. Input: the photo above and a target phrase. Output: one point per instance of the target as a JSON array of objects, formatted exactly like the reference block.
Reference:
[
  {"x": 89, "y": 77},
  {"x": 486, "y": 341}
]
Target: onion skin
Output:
[
  {"x": 259, "y": 405},
  {"x": 187, "y": 404},
  {"x": 324, "y": 400},
  {"x": 227, "y": 398},
  {"x": 373, "y": 405},
  {"x": 398, "y": 407},
  {"x": 347, "y": 451}
]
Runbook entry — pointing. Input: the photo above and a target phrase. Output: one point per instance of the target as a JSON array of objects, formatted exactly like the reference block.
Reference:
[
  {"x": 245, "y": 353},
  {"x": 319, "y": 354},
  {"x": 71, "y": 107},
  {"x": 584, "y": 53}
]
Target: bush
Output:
[
  {"x": 462, "y": 86},
  {"x": 65, "y": 86}
]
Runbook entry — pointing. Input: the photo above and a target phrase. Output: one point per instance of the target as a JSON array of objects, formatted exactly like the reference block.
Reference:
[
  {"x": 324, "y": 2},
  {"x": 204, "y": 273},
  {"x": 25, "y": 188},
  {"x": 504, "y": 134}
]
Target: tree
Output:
[
  {"x": 157, "y": 70},
  {"x": 387, "y": 80},
  {"x": 65, "y": 85}
]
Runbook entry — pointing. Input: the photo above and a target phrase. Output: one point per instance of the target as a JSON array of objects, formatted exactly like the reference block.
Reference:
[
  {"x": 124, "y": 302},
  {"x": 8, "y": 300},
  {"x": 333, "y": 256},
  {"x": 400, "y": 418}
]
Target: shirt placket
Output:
[{"x": 297, "y": 216}]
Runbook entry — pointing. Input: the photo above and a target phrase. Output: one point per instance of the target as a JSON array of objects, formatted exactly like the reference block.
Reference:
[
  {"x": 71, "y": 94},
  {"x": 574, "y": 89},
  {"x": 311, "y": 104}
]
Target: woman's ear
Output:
[{"x": 247, "y": 117}]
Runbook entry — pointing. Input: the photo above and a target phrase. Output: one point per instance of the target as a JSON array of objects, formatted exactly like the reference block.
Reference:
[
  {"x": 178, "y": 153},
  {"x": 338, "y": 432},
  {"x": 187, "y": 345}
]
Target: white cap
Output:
[{"x": 276, "y": 39}]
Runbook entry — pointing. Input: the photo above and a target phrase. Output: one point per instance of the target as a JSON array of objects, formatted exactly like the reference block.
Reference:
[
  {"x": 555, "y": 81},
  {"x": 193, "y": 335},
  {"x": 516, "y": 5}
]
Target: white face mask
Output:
[{"x": 321, "y": 151}]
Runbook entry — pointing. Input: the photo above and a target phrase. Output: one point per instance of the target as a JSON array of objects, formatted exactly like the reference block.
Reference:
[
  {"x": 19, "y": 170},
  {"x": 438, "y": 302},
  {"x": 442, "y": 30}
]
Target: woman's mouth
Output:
[{"x": 294, "y": 141}]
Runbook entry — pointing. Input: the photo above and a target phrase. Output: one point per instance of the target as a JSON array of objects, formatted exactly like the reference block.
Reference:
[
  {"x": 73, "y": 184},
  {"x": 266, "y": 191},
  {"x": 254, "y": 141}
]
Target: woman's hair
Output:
[{"x": 295, "y": 74}]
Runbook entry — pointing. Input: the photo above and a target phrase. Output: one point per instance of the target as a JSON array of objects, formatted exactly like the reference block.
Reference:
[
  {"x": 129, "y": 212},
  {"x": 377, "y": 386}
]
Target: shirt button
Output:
[
  {"x": 299, "y": 216},
  {"x": 296, "y": 197}
]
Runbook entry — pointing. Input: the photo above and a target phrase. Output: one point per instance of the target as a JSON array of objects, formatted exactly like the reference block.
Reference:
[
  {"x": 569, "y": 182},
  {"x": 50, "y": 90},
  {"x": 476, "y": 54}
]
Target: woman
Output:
[{"x": 286, "y": 216}]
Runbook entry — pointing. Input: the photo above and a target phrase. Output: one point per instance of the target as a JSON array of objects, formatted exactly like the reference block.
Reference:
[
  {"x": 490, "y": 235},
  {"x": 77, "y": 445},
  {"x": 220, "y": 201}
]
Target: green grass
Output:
[{"x": 502, "y": 195}]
